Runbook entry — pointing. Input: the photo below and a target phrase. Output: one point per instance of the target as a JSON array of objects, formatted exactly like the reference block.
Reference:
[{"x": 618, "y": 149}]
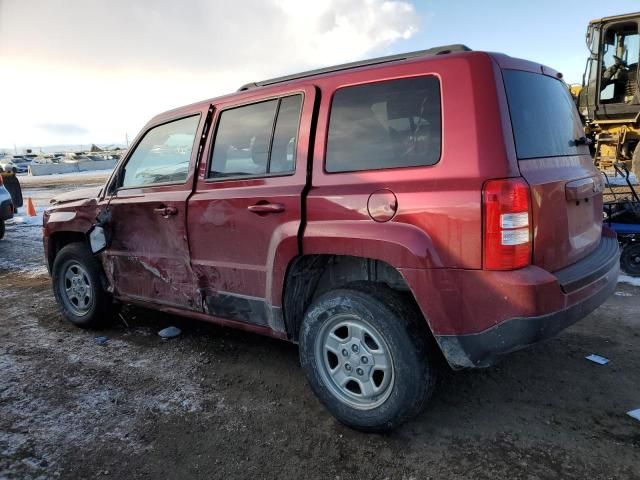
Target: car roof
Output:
[{"x": 305, "y": 78}]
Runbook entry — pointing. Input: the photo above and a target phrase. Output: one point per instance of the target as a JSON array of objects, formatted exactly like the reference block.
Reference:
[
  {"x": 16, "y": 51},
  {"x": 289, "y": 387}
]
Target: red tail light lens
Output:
[
  {"x": 1, "y": 181},
  {"x": 507, "y": 224}
]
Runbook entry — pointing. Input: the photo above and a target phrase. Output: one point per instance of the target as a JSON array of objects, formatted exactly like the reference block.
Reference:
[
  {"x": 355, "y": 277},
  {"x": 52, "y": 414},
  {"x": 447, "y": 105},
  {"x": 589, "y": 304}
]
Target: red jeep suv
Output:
[{"x": 381, "y": 214}]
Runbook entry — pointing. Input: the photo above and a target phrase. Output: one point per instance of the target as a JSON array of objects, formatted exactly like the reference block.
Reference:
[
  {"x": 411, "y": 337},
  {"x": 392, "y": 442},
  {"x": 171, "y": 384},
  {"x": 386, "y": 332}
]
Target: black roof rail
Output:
[{"x": 372, "y": 61}]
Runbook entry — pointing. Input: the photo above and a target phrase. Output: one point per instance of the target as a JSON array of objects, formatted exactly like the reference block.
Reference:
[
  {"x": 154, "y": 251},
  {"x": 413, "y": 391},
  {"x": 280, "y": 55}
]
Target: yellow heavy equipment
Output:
[{"x": 609, "y": 97}]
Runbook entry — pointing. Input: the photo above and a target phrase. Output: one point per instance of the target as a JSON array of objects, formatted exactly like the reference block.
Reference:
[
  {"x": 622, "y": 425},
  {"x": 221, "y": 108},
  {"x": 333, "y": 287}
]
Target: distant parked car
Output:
[
  {"x": 21, "y": 164},
  {"x": 8, "y": 163},
  {"x": 6, "y": 207}
]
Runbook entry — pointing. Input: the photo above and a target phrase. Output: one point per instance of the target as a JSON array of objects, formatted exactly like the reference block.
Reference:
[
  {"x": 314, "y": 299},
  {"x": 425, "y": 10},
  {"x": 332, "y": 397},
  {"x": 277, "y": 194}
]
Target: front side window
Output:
[
  {"x": 248, "y": 143},
  {"x": 385, "y": 125},
  {"x": 163, "y": 154}
]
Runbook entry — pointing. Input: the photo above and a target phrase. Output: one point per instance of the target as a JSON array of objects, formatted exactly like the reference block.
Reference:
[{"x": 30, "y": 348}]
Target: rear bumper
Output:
[
  {"x": 486, "y": 348},
  {"x": 517, "y": 308}
]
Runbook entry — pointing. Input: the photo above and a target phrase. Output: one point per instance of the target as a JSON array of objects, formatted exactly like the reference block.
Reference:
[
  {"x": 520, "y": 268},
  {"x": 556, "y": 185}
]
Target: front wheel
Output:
[
  {"x": 2, "y": 229},
  {"x": 77, "y": 286},
  {"x": 367, "y": 357}
]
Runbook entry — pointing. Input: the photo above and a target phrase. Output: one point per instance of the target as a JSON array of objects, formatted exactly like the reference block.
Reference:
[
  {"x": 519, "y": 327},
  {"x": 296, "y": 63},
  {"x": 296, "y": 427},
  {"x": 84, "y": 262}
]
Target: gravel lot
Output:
[{"x": 218, "y": 403}]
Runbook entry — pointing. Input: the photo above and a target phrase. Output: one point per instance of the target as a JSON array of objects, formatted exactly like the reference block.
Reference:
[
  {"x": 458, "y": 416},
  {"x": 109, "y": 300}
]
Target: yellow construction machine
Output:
[{"x": 609, "y": 97}]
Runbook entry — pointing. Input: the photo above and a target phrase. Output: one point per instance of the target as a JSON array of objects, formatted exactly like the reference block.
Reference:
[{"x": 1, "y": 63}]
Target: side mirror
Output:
[{"x": 98, "y": 239}]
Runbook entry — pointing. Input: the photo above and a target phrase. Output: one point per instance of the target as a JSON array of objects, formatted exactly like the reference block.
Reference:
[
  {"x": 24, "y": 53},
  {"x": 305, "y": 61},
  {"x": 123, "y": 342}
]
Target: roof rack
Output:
[{"x": 372, "y": 61}]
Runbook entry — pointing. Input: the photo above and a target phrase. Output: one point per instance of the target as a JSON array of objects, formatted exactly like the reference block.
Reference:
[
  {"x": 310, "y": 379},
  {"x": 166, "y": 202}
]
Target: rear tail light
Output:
[
  {"x": 1, "y": 181},
  {"x": 507, "y": 224}
]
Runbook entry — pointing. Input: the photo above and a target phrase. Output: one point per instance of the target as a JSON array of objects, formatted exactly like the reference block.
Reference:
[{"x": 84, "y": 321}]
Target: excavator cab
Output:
[
  {"x": 609, "y": 100},
  {"x": 610, "y": 86}
]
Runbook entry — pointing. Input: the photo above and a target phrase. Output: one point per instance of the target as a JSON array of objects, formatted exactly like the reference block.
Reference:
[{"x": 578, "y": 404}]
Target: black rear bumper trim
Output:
[{"x": 591, "y": 267}]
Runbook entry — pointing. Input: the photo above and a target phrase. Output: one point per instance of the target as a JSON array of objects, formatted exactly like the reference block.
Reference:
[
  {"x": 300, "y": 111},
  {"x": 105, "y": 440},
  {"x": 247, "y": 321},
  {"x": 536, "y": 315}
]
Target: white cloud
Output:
[{"x": 108, "y": 67}]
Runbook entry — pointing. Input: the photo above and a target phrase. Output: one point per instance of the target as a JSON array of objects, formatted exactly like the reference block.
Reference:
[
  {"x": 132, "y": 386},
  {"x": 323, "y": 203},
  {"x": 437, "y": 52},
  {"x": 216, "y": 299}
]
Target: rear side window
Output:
[
  {"x": 257, "y": 139},
  {"x": 388, "y": 124},
  {"x": 544, "y": 118}
]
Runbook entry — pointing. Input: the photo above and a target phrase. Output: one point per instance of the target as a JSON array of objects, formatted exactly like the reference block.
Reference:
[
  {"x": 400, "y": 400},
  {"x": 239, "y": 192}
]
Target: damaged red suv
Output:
[{"x": 382, "y": 215}]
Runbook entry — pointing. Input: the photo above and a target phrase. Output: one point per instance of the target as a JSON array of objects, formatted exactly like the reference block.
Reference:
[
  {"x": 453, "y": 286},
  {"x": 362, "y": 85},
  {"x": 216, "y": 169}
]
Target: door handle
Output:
[
  {"x": 262, "y": 208},
  {"x": 165, "y": 211},
  {"x": 584, "y": 188}
]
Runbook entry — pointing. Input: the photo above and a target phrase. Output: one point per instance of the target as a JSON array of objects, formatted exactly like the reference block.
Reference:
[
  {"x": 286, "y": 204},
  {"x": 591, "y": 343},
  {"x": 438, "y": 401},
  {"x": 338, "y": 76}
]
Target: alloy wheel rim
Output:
[
  {"x": 76, "y": 289},
  {"x": 355, "y": 362}
]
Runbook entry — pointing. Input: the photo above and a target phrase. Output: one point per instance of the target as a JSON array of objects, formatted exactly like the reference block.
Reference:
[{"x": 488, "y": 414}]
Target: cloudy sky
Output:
[{"x": 83, "y": 71}]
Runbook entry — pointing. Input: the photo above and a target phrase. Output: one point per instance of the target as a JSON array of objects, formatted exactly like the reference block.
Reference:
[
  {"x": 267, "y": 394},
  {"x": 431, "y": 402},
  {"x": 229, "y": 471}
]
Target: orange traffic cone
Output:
[{"x": 31, "y": 210}]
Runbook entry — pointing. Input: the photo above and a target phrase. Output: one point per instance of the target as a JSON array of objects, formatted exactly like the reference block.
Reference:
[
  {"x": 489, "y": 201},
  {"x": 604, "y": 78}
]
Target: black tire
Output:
[
  {"x": 402, "y": 330},
  {"x": 630, "y": 259},
  {"x": 77, "y": 260},
  {"x": 2, "y": 229}
]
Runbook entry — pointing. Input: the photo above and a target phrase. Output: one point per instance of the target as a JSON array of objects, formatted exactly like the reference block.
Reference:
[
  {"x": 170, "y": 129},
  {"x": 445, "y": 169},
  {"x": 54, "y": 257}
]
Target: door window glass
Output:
[
  {"x": 163, "y": 155},
  {"x": 247, "y": 144},
  {"x": 385, "y": 125},
  {"x": 283, "y": 150}
]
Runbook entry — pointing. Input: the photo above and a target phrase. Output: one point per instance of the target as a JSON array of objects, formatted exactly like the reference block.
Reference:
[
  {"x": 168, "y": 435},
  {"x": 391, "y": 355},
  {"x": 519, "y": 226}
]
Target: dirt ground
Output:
[{"x": 218, "y": 403}]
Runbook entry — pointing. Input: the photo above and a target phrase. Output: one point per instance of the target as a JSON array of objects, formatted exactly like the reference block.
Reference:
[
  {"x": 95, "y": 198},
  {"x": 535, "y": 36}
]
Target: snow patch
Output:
[
  {"x": 635, "y": 281},
  {"x": 623, "y": 294},
  {"x": 28, "y": 179}
]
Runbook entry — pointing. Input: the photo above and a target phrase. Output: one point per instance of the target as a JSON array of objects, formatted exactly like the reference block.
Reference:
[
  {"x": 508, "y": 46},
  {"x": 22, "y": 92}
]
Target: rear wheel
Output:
[
  {"x": 630, "y": 259},
  {"x": 77, "y": 286},
  {"x": 367, "y": 357}
]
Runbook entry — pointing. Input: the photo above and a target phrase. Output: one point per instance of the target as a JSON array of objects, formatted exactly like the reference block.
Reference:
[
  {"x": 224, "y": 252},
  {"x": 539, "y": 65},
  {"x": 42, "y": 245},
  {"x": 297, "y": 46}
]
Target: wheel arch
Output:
[
  {"x": 56, "y": 241},
  {"x": 309, "y": 276}
]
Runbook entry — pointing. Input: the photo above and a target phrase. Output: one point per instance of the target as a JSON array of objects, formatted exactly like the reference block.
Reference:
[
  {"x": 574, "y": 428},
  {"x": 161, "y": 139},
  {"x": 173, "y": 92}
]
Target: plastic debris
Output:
[
  {"x": 597, "y": 359},
  {"x": 169, "y": 332},
  {"x": 634, "y": 414},
  {"x": 101, "y": 340}
]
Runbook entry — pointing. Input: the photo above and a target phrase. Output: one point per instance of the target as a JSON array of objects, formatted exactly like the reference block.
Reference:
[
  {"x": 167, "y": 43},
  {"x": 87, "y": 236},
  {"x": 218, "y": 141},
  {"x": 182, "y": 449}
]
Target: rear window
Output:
[
  {"x": 544, "y": 118},
  {"x": 385, "y": 125}
]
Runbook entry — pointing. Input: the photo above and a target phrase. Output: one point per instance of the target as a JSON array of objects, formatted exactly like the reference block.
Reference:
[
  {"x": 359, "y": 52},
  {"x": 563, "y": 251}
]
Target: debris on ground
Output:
[
  {"x": 123, "y": 320},
  {"x": 634, "y": 414},
  {"x": 597, "y": 359},
  {"x": 169, "y": 332},
  {"x": 102, "y": 341}
]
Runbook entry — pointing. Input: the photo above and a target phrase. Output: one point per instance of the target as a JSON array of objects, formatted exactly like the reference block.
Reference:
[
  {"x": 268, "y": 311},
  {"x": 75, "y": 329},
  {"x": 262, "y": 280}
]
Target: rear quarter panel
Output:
[{"x": 438, "y": 222}]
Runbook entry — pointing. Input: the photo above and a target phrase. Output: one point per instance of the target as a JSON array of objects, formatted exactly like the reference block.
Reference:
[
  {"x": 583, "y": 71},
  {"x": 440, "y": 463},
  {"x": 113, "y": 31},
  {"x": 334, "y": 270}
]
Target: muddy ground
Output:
[{"x": 218, "y": 403}]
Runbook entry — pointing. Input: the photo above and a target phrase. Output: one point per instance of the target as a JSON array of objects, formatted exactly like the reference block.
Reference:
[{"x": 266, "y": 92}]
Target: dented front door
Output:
[{"x": 148, "y": 258}]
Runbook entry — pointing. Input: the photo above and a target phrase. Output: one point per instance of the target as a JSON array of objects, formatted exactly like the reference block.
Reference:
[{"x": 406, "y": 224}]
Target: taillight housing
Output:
[
  {"x": 1, "y": 181},
  {"x": 507, "y": 224}
]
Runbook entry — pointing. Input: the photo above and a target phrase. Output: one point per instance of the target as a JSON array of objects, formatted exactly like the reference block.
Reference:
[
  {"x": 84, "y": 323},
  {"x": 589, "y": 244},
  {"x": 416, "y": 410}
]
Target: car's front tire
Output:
[
  {"x": 78, "y": 287},
  {"x": 2, "y": 229},
  {"x": 367, "y": 356}
]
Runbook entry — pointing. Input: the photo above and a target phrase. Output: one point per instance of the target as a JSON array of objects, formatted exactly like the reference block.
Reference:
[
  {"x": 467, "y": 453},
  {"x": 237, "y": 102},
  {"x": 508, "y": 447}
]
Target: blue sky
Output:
[{"x": 550, "y": 32}]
